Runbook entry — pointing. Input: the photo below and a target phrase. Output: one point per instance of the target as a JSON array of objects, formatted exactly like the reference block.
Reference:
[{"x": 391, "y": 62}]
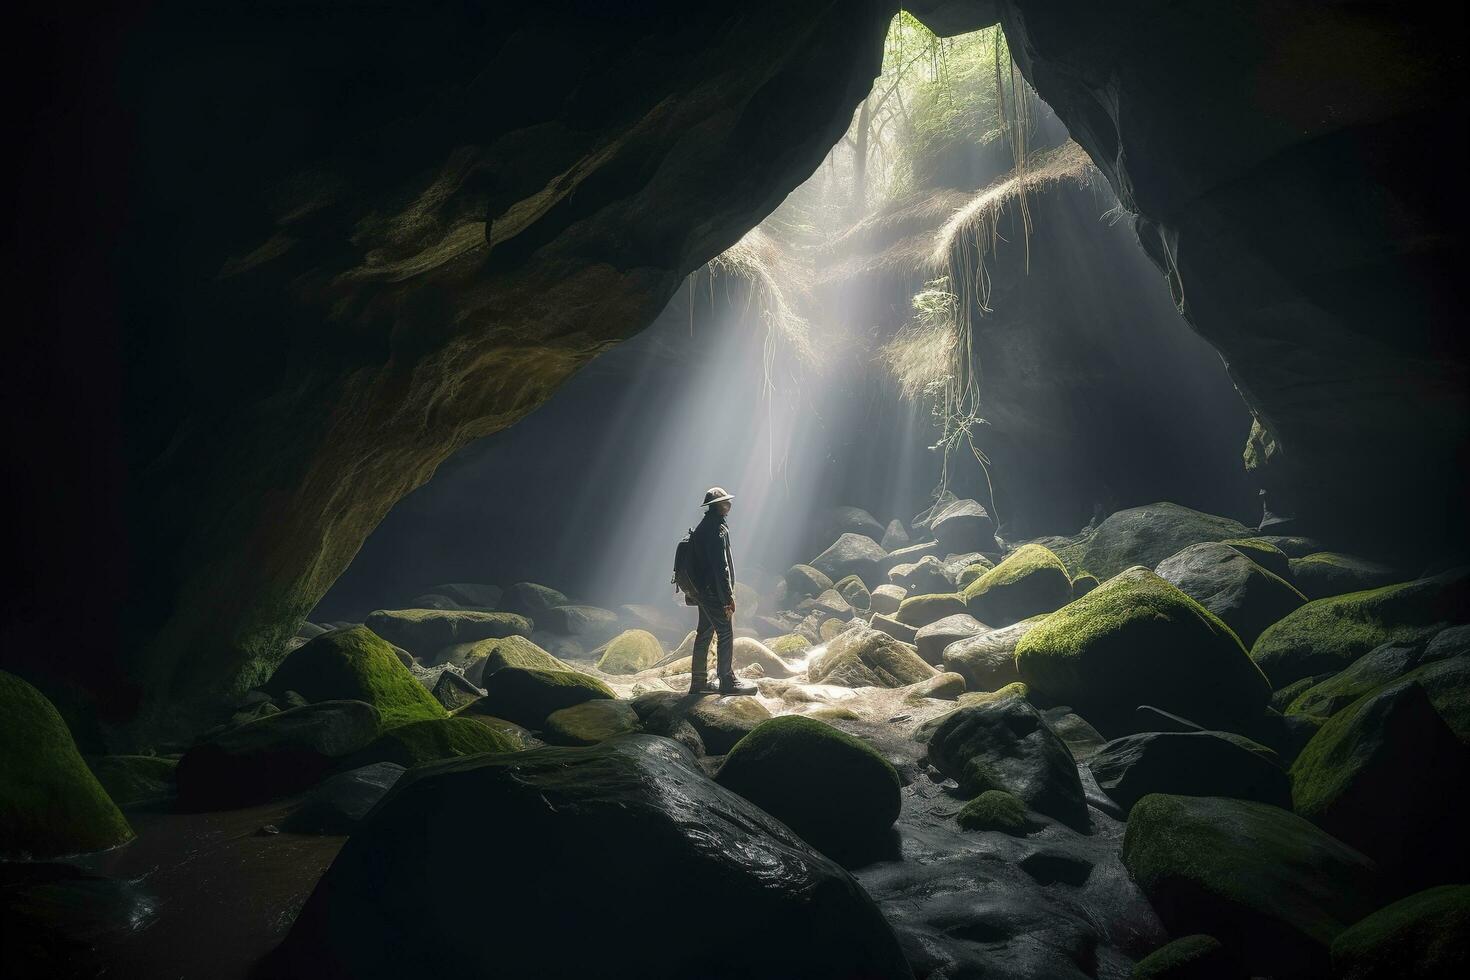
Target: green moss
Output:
[
  {"x": 1283, "y": 698},
  {"x": 1197, "y": 957},
  {"x": 356, "y": 665},
  {"x": 1263, "y": 553},
  {"x": 527, "y": 696},
  {"x": 831, "y": 788},
  {"x": 972, "y": 573},
  {"x": 1424, "y": 935},
  {"x": 134, "y": 779},
  {"x": 427, "y": 741},
  {"x": 50, "y": 802},
  {"x": 514, "y": 651},
  {"x": 921, "y": 610},
  {"x": 591, "y": 722},
  {"x": 829, "y": 629},
  {"x": 1135, "y": 640},
  {"x": 1015, "y": 689},
  {"x": 631, "y": 651},
  {"x": 995, "y": 809},
  {"x": 1328, "y": 573},
  {"x": 789, "y": 645},
  {"x": 1030, "y": 581},
  {"x": 1083, "y": 584},
  {"x": 1326, "y": 635}
]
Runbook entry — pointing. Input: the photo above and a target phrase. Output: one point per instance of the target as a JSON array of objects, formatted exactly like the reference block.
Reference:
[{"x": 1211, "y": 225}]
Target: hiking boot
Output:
[
  {"x": 734, "y": 685},
  {"x": 701, "y": 685}
]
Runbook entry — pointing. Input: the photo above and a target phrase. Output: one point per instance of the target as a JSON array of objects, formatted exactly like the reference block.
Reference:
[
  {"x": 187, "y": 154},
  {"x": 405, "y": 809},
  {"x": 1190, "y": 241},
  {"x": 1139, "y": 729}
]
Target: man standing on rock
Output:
[{"x": 714, "y": 575}]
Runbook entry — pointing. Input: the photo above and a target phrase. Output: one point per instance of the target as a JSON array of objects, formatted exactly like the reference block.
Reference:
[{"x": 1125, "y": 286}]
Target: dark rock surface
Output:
[
  {"x": 338, "y": 805},
  {"x": 1189, "y": 764},
  {"x": 1227, "y": 583}
]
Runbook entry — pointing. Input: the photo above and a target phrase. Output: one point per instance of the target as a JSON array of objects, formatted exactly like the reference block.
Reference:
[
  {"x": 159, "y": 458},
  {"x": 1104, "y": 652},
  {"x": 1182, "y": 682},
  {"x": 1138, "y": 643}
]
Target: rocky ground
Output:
[{"x": 1168, "y": 746}]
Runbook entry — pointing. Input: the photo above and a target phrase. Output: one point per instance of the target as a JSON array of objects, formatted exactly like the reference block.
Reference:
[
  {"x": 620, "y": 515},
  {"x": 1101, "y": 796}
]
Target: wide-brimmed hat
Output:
[{"x": 715, "y": 494}]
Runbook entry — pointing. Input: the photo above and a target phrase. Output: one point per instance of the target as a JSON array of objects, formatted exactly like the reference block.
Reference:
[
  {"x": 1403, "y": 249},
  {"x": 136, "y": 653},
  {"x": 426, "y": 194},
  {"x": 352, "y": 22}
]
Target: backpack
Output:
[{"x": 683, "y": 579}]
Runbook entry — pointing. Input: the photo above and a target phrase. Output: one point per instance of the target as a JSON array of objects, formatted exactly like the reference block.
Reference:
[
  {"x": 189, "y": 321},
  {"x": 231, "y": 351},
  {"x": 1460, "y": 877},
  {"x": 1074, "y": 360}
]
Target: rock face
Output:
[
  {"x": 1007, "y": 745},
  {"x": 1135, "y": 640},
  {"x": 1271, "y": 886},
  {"x": 544, "y": 818},
  {"x": 831, "y": 788},
  {"x": 869, "y": 658},
  {"x": 1227, "y": 583},
  {"x": 1189, "y": 764},
  {"x": 50, "y": 802},
  {"x": 356, "y": 665},
  {"x": 1029, "y": 582}
]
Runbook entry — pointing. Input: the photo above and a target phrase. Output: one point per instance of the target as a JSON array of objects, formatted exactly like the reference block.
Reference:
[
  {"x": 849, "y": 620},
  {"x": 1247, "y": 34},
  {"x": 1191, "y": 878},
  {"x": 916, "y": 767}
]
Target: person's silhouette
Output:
[{"x": 714, "y": 576}]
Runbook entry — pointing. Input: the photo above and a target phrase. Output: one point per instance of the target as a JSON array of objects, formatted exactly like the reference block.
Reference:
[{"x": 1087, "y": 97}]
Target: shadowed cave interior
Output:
[{"x": 1089, "y": 383}]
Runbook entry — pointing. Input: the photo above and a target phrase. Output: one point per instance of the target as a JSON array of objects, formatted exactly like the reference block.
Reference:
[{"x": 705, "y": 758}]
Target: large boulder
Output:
[
  {"x": 485, "y": 657},
  {"x": 1270, "y": 885},
  {"x": 50, "y": 802},
  {"x": 1425, "y": 936},
  {"x": 987, "y": 661},
  {"x": 356, "y": 665},
  {"x": 453, "y": 690},
  {"x": 526, "y": 695},
  {"x": 925, "y": 576},
  {"x": 1245, "y": 596},
  {"x": 830, "y": 603},
  {"x": 964, "y": 526},
  {"x": 587, "y": 622},
  {"x": 852, "y": 554},
  {"x": 631, "y": 651},
  {"x": 804, "y": 580},
  {"x": 1135, "y": 640},
  {"x": 1447, "y": 682},
  {"x": 1007, "y": 745},
  {"x": 885, "y": 599},
  {"x": 745, "y": 651},
  {"x": 1263, "y": 553},
  {"x": 424, "y": 631},
  {"x": 1326, "y": 573},
  {"x": 834, "y": 790},
  {"x": 1145, "y": 536},
  {"x": 932, "y": 640},
  {"x": 1189, "y": 764},
  {"x": 1031, "y": 580},
  {"x": 544, "y": 819},
  {"x": 429, "y": 741},
  {"x": 1328, "y": 634},
  {"x": 274, "y": 756},
  {"x": 854, "y": 591},
  {"x": 865, "y": 657},
  {"x": 1388, "y": 776},
  {"x": 1363, "y": 676},
  {"x": 912, "y": 555},
  {"x": 919, "y": 611},
  {"x": 591, "y": 722},
  {"x": 719, "y": 722},
  {"x": 471, "y": 594},
  {"x": 530, "y": 599}
]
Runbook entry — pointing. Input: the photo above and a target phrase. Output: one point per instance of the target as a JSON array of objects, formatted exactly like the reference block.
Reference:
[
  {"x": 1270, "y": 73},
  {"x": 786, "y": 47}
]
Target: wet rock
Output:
[
  {"x": 355, "y": 665},
  {"x": 932, "y": 640},
  {"x": 746, "y": 652},
  {"x": 987, "y": 661},
  {"x": 631, "y": 651},
  {"x": 50, "y": 802},
  {"x": 591, "y": 722},
  {"x": 964, "y": 526},
  {"x": 338, "y": 805},
  {"x": 926, "y": 576},
  {"x": 885, "y": 599},
  {"x": 854, "y": 591},
  {"x": 1328, "y": 634},
  {"x": 997, "y": 810},
  {"x": 1048, "y": 865},
  {"x": 429, "y": 741},
  {"x": 132, "y": 780},
  {"x": 1426, "y": 935},
  {"x": 274, "y": 756},
  {"x": 423, "y": 631},
  {"x": 1245, "y": 596},
  {"x": 894, "y": 537},
  {"x": 1389, "y": 777},
  {"x": 1138, "y": 640},
  {"x": 804, "y": 580},
  {"x": 865, "y": 657},
  {"x": 720, "y": 722},
  {"x": 518, "y": 736},
  {"x": 530, "y": 599},
  {"x": 453, "y": 691},
  {"x": 852, "y": 554},
  {"x": 1145, "y": 536},
  {"x": 545, "y": 817},
  {"x": 527, "y": 695},
  {"x": 61, "y": 921},
  {"x": 1189, "y": 764},
  {"x": 892, "y": 627},
  {"x": 831, "y": 788},
  {"x": 1030, "y": 581},
  {"x": 471, "y": 594},
  {"x": 921, "y": 610},
  {"x": 1197, "y": 957},
  {"x": 1007, "y": 745},
  {"x": 1269, "y": 884},
  {"x": 1328, "y": 573}
]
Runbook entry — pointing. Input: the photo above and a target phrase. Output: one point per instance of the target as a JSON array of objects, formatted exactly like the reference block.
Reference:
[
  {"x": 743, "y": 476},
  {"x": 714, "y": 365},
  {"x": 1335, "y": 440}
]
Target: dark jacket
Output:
[{"x": 714, "y": 572}]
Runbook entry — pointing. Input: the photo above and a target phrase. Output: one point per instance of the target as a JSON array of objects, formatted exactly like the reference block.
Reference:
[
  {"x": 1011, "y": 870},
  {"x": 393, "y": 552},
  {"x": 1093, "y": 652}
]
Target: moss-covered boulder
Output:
[
  {"x": 987, "y": 660},
  {"x": 921, "y": 610},
  {"x": 1388, "y": 776},
  {"x": 455, "y": 692},
  {"x": 716, "y": 723},
  {"x": 484, "y": 657},
  {"x": 591, "y": 722},
  {"x": 1328, "y": 634},
  {"x": 527, "y": 695},
  {"x": 1245, "y": 596},
  {"x": 1145, "y": 536},
  {"x": 996, "y": 810},
  {"x": 1083, "y": 584},
  {"x": 1328, "y": 573},
  {"x": 424, "y": 631},
  {"x": 631, "y": 651},
  {"x": 1363, "y": 676},
  {"x": 1189, "y": 764},
  {"x": 274, "y": 756},
  {"x": 50, "y": 802},
  {"x": 1031, "y": 580},
  {"x": 1282, "y": 697},
  {"x": 356, "y": 665},
  {"x": 1447, "y": 682},
  {"x": 1197, "y": 957},
  {"x": 865, "y": 657},
  {"x": 789, "y": 645},
  {"x": 531, "y": 598},
  {"x": 932, "y": 640},
  {"x": 831, "y": 788},
  {"x": 1425, "y": 936},
  {"x": 1007, "y": 745},
  {"x": 1270, "y": 885},
  {"x": 134, "y": 780},
  {"x": 1263, "y": 553},
  {"x": 886, "y": 598},
  {"x": 829, "y": 629},
  {"x": 1136, "y": 640},
  {"x": 428, "y": 741}
]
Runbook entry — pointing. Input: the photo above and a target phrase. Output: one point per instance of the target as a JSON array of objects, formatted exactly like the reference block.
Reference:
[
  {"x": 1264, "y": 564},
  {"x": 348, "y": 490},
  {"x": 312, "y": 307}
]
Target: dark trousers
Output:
[{"x": 712, "y": 620}]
